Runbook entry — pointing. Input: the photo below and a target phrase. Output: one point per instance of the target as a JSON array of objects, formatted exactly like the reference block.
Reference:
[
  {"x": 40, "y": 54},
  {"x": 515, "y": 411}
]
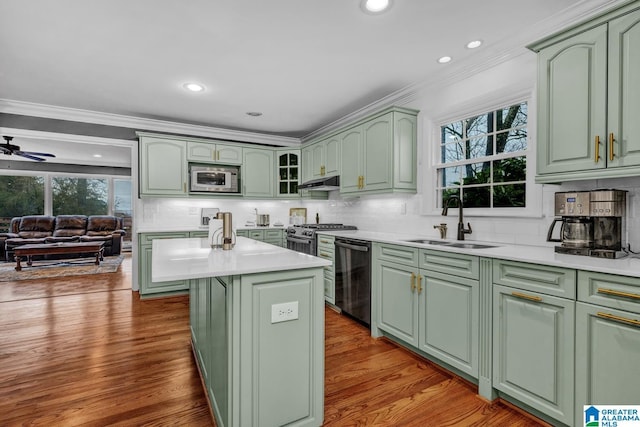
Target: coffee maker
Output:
[{"x": 591, "y": 223}]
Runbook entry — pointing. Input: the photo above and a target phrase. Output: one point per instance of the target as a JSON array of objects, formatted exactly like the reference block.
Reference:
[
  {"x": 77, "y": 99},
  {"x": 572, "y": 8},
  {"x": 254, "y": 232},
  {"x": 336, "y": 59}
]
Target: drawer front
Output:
[
  {"x": 609, "y": 290},
  {"x": 545, "y": 279},
  {"x": 147, "y": 238},
  {"x": 242, "y": 233},
  {"x": 326, "y": 241},
  {"x": 399, "y": 254},
  {"x": 450, "y": 263},
  {"x": 273, "y": 234},
  {"x": 256, "y": 234}
]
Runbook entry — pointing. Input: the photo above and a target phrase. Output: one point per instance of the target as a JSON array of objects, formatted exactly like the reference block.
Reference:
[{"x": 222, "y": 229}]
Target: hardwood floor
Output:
[{"x": 85, "y": 351}]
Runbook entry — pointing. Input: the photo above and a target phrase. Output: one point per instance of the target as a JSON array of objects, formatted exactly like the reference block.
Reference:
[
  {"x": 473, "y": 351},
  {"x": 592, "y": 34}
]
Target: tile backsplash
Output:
[{"x": 392, "y": 213}]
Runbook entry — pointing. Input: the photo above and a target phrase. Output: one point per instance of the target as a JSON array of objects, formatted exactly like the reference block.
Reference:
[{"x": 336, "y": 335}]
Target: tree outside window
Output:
[
  {"x": 80, "y": 196},
  {"x": 483, "y": 159},
  {"x": 19, "y": 196}
]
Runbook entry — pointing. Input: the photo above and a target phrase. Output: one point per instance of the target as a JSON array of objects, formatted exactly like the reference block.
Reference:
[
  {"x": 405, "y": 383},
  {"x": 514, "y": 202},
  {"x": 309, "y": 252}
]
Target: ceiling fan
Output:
[{"x": 9, "y": 149}]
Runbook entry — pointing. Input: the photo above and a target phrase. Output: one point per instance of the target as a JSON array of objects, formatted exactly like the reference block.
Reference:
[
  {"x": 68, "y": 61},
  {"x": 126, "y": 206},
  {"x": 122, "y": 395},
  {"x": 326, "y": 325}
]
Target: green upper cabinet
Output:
[
  {"x": 214, "y": 153},
  {"x": 588, "y": 97},
  {"x": 163, "y": 167},
  {"x": 287, "y": 173},
  {"x": 323, "y": 159},
  {"x": 379, "y": 155},
  {"x": 258, "y": 173}
]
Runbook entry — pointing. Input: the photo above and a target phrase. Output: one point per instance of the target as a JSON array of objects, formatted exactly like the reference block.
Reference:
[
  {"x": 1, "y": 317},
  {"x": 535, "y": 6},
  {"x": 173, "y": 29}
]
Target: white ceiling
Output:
[{"x": 302, "y": 63}]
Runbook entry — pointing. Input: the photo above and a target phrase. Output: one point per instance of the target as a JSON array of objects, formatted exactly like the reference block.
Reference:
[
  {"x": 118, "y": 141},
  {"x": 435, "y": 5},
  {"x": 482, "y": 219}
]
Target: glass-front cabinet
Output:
[{"x": 288, "y": 169}]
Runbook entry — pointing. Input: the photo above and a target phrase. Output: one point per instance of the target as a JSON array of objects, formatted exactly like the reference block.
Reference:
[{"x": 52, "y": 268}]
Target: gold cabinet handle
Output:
[
  {"x": 325, "y": 255},
  {"x": 618, "y": 293},
  {"x": 184, "y": 187},
  {"x": 611, "y": 150},
  {"x": 413, "y": 282},
  {"x": 324, "y": 241},
  {"x": 525, "y": 296},
  {"x": 419, "y": 284},
  {"x": 619, "y": 319},
  {"x": 597, "y": 148}
]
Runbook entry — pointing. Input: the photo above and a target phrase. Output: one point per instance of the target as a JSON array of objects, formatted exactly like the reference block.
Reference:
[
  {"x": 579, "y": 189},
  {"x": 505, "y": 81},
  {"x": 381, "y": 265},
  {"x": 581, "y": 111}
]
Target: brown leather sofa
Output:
[{"x": 62, "y": 228}]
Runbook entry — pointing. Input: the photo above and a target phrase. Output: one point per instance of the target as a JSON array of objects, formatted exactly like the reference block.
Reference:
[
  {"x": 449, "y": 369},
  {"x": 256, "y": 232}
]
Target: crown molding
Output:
[
  {"x": 138, "y": 123},
  {"x": 66, "y": 137}
]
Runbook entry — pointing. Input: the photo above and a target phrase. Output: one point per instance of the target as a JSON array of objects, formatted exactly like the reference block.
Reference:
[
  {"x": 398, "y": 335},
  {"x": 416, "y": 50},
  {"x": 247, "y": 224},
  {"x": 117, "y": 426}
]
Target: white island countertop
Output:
[{"x": 181, "y": 259}]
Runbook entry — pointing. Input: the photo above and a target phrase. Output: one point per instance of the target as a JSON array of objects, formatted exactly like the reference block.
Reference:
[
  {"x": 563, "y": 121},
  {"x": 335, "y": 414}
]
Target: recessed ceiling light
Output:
[
  {"x": 474, "y": 44},
  {"x": 254, "y": 113},
  {"x": 193, "y": 87},
  {"x": 97, "y": 155},
  {"x": 444, "y": 59},
  {"x": 375, "y": 6}
]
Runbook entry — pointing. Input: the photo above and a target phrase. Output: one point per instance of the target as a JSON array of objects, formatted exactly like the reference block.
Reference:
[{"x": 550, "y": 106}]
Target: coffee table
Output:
[{"x": 58, "y": 248}]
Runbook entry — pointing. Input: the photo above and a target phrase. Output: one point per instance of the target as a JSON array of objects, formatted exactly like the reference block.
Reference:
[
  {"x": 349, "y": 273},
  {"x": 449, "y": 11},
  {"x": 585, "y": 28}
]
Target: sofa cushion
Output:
[
  {"x": 13, "y": 243},
  {"x": 97, "y": 238},
  {"x": 62, "y": 239},
  {"x": 36, "y": 226},
  {"x": 70, "y": 225}
]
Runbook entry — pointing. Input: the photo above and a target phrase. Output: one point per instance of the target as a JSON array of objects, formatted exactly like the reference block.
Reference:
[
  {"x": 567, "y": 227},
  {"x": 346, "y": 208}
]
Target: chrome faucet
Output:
[{"x": 461, "y": 230}]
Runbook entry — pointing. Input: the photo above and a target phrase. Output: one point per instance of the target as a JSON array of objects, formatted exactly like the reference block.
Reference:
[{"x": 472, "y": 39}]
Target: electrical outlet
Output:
[{"x": 284, "y": 311}]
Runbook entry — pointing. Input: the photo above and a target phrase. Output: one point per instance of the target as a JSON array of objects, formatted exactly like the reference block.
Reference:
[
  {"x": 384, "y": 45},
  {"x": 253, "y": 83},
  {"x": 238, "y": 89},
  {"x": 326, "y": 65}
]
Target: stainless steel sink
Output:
[
  {"x": 463, "y": 245},
  {"x": 471, "y": 245},
  {"x": 429, "y": 242}
]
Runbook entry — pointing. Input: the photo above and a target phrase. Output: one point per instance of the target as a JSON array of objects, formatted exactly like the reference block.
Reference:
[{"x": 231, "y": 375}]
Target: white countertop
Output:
[
  {"x": 627, "y": 266},
  {"x": 180, "y": 259}
]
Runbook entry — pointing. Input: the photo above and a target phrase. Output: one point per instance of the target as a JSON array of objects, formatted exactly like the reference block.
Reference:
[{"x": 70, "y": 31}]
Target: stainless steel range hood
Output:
[{"x": 321, "y": 184}]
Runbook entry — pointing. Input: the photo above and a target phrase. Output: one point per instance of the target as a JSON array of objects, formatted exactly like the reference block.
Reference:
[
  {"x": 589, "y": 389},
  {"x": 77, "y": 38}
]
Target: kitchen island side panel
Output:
[{"x": 265, "y": 373}]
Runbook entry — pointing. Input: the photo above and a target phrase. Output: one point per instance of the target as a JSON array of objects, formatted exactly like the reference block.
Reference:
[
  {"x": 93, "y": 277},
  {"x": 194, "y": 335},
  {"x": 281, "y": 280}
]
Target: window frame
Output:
[{"x": 431, "y": 204}]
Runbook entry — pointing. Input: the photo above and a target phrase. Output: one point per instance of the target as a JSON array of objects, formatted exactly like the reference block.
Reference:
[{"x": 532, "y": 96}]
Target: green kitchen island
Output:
[{"x": 257, "y": 328}]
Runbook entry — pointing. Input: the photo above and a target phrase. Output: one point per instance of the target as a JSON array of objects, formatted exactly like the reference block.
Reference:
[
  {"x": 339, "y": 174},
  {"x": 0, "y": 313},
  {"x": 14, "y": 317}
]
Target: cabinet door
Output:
[
  {"x": 397, "y": 301},
  {"x": 163, "y": 167},
  {"x": 332, "y": 156},
  {"x": 533, "y": 350},
  {"x": 377, "y": 153},
  {"x": 624, "y": 91},
  {"x": 405, "y": 165},
  {"x": 201, "y": 151},
  {"x": 449, "y": 316},
  {"x": 307, "y": 164},
  {"x": 257, "y": 172},
  {"x": 228, "y": 154},
  {"x": 288, "y": 173},
  {"x": 607, "y": 355},
  {"x": 351, "y": 169},
  {"x": 572, "y": 90},
  {"x": 318, "y": 160}
]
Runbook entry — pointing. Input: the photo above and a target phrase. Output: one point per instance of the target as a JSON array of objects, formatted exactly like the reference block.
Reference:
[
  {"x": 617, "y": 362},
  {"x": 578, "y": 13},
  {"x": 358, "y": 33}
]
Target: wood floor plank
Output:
[{"x": 86, "y": 351}]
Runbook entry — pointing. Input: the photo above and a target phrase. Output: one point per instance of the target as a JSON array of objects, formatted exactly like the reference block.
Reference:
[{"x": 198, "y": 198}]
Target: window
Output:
[
  {"x": 483, "y": 159},
  {"x": 20, "y": 195},
  {"x": 86, "y": 196}
]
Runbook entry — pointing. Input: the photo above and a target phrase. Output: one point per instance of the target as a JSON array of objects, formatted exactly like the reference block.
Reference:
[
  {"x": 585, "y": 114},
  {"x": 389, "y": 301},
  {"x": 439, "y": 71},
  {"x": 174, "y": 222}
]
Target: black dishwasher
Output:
[{"x": 353, "y": 278}]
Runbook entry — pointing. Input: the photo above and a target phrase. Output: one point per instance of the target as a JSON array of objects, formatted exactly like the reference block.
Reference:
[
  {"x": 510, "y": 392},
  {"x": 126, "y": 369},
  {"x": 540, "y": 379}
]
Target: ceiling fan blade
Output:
[
  {"x": 5, "y": 150},
  {"x": 33, "y": 153},
  {"x": 28, "y": 156}
]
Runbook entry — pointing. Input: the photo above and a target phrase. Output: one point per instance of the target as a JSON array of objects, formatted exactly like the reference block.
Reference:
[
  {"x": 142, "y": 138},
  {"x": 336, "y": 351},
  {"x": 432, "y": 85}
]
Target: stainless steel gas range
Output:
[{"x": 302, "y": 238}]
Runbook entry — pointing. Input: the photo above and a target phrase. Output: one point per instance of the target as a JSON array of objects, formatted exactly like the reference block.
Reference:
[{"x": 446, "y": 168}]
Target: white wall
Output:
[{"x": 416, "y": 214}]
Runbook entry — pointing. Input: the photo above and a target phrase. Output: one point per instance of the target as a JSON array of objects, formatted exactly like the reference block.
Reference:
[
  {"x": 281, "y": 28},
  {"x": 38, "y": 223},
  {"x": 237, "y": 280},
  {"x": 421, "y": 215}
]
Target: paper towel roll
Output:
[{"x": 215, "y": 225}]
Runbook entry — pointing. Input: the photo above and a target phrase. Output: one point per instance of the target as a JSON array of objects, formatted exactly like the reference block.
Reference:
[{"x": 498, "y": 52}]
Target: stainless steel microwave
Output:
[{"x": 214, "y": 179}]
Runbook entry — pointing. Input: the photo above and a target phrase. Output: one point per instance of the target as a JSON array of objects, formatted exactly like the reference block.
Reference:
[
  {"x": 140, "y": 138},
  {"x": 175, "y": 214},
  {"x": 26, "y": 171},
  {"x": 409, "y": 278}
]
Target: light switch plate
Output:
[{"x": 284, "y": 311}]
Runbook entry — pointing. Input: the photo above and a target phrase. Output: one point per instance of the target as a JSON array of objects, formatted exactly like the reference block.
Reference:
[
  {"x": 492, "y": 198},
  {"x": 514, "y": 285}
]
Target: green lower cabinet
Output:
[
  {"x": 449, "y": 315},
  {"x": 273, "y": 236},
  {"x": 397, "y": 301},
  {"x": 607, "y": 352},
  {"x": 326, "y": 250},
  {"x": 147, "y": 287},
  {"x": 533, "y": 350}
]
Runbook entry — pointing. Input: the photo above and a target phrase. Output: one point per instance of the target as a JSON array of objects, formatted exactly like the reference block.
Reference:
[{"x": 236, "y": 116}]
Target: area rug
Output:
[{"x": 59, "y": 268}]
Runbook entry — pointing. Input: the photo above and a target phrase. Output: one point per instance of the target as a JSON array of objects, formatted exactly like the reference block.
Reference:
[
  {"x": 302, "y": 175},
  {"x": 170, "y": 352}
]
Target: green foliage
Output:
[
  {"x": 79, "y": 196},
  {"x": 21, "y": 195}
]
